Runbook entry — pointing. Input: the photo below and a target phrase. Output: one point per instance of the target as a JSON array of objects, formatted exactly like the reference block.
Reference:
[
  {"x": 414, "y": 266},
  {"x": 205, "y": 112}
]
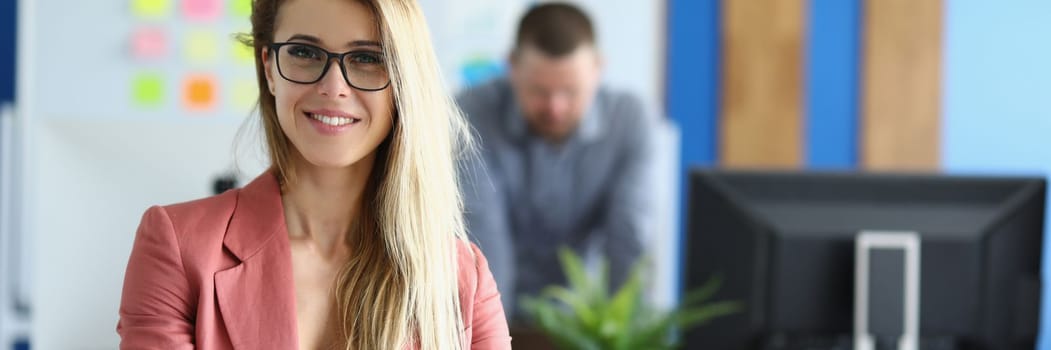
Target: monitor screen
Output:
[{"x": 783, "y": 243}]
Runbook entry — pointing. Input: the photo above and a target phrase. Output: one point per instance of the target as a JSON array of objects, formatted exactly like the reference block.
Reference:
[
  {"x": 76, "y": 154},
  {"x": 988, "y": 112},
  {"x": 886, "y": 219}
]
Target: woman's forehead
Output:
[{"x": 335, "y": 24}]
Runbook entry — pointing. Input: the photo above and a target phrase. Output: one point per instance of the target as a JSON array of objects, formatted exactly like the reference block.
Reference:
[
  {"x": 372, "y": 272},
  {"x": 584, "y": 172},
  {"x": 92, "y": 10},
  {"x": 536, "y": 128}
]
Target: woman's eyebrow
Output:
[
  {"x": 315, "y": 40},
  {"x": 308, "y": 38},
  {"x": 364, "y": 43}
]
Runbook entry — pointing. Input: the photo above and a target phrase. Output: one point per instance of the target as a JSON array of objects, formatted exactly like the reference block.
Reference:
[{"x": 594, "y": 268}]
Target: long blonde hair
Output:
[{"x": 400, "y": 286}]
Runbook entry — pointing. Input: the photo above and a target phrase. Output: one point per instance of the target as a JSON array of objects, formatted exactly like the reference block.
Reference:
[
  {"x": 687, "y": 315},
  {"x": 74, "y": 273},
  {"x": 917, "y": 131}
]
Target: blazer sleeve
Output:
[
  {"x": 489, "y": 328},
  {"x": 155, "y": 307}
]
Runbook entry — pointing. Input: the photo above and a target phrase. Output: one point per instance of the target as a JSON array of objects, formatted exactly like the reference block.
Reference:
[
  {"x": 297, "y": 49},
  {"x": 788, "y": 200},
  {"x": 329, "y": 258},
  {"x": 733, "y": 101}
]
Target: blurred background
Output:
[{"x": 111, "y": 106}]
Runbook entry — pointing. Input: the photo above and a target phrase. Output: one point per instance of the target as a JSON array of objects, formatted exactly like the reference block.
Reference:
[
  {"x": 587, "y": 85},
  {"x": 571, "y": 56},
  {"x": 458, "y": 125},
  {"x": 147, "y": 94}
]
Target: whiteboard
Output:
[
  {"x": 140, "y": 60},
  {"x": 136, "y": 59}
]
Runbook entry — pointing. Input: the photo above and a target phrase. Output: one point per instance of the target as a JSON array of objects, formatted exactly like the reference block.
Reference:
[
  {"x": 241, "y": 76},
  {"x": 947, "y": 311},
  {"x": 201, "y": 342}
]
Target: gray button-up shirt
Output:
[{"x": 525, "y": 197}]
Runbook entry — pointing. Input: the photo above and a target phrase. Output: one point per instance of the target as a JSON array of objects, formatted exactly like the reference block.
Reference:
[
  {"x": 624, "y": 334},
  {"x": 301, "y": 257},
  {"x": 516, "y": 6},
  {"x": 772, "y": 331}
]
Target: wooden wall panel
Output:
[
  {"x": 761, "y": 118},
  {"x": 901, "y": 85}
]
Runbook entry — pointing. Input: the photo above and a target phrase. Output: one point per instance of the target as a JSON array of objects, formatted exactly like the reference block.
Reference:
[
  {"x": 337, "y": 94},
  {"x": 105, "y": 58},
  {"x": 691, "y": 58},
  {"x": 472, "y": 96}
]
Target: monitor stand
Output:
[{"x": 887, "y": 290}]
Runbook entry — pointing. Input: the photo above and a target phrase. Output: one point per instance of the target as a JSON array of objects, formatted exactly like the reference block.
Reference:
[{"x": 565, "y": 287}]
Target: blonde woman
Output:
[{"x": 354, "y": 238}]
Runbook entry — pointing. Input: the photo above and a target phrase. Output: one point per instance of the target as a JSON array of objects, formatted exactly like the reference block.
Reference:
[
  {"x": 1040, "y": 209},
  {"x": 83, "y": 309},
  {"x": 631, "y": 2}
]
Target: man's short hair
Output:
[{"x": 556, "y": 29}]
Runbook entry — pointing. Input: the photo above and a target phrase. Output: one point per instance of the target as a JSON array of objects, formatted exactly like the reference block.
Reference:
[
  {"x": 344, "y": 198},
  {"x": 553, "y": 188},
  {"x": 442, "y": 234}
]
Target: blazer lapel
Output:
[{"x": 257, "y": 296}]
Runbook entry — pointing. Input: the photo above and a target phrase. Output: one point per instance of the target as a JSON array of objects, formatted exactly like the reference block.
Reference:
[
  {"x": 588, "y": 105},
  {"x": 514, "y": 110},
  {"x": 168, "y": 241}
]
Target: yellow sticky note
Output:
[
  {"x": 242, "y": 54},
  {"x": 150, "y": 8},
  {"x": 244, "y": 94},
  {"x": 200, "y": 47}
]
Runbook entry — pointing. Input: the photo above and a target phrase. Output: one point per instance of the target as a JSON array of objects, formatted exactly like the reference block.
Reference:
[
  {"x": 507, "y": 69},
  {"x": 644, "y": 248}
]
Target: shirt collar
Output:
[{"x": 590, "y": 129}]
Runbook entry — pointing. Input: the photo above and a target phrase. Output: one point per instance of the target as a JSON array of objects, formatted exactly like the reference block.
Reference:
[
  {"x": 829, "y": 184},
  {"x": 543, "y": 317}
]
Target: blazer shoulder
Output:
[
  {"x": 473, "y": 270},
  {"x": 201, "y": 220},
  {"x": 467, "y": 255},
  {"x": 480, "y": 301}
]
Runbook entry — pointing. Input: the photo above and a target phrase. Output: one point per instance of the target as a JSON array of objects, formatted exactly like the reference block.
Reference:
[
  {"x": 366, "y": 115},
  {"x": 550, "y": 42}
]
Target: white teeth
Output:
[{"x": 331, "y": 120}]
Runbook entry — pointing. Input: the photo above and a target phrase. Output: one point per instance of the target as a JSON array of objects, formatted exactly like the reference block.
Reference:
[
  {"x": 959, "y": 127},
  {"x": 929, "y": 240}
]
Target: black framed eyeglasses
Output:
[{"x": 365, "y": 70}]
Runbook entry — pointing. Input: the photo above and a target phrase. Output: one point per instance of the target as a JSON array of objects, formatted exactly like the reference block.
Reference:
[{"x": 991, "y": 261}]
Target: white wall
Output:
[
  {"x": 93, "y": 181},
  {"x": 630, "y": 35},
  {"x": 997, "y": 96}
]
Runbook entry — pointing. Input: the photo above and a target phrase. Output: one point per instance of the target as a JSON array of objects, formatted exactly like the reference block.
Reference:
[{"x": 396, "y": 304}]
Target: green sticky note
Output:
[
  {"x": 200, "y": 46},
  {"x": 241, "y": 8},
  {"x": 150, "y": 8},
  {"x": 147, "y": 89}
]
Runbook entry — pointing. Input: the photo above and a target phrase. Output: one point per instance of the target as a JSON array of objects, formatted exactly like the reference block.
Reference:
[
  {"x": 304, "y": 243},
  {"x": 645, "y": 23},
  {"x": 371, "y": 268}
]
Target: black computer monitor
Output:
[{"x": 784, "y": 245}]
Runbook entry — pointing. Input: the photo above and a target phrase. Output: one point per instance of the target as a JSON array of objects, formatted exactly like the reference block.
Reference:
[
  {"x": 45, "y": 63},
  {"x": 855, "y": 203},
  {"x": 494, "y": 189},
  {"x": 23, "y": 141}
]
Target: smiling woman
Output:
[{"x": 353, "y": 239}]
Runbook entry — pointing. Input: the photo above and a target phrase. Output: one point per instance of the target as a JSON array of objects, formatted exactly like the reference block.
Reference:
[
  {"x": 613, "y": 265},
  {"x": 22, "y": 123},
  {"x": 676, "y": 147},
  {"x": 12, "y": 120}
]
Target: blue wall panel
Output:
[{"x": 832, "y": 71}]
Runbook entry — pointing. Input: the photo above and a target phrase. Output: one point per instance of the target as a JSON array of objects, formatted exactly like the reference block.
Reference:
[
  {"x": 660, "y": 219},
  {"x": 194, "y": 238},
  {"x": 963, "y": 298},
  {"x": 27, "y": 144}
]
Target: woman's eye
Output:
[
  {"x": 366, "y": 58},
  {"x": 303, "y": 52}
]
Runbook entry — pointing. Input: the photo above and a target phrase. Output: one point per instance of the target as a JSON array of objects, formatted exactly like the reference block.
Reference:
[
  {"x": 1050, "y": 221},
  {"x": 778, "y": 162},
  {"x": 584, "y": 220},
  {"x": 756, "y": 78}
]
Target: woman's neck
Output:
[{"x": 323, "y": 204}]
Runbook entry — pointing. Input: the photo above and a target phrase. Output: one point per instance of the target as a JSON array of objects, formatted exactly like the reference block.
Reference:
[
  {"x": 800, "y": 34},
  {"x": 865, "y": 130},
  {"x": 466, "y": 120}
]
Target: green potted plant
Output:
[{"x": 585, "y": 316}]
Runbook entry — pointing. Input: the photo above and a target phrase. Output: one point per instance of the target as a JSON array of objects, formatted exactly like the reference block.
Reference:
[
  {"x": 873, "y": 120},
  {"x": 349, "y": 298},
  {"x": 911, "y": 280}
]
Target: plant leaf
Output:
[
  {"x": 576, "y": 302},
  {"x": 585, "y": 315},
  {"x": 700, "y": 315},
  {"x": 625, "y": 303},
  {"x": 704, "y": 292},
  {"x": 600, "y": 291},
  {"x": 653, "y": 333},
  {"x": 557, "y": 325},
  {"x": 575, "y": 272}
]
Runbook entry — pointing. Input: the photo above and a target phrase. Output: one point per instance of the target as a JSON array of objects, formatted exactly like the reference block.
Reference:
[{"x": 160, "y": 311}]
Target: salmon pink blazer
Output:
[{"x": 216, "y": 273}]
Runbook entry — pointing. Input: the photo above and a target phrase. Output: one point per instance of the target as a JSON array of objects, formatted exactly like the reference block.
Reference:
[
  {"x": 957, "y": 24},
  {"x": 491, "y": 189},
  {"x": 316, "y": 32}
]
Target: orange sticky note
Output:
[
  {"x": 201, "y": 10},
  {"x": 200, "y": 92},
  {"x": 149, "y": 44}
]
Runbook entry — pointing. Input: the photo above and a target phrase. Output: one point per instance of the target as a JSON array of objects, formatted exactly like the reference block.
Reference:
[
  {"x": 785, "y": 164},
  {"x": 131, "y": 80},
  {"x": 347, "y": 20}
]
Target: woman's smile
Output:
[{"x": 331, "y": 122}]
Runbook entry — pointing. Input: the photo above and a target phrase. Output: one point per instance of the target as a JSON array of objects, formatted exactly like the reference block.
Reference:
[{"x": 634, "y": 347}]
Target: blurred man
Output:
[{"x": 564, "y": 161}]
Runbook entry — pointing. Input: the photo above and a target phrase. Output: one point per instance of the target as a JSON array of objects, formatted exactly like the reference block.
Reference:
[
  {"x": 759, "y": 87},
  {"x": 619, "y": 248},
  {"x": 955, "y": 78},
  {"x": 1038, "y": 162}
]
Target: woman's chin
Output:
[{"x": 332, "y": 162}]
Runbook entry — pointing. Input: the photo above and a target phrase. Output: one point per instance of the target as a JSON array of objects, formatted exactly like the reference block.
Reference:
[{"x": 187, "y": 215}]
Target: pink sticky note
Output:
[
  {"x": 149, "y": 43},
  {"x": 201, "y": 10}
]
